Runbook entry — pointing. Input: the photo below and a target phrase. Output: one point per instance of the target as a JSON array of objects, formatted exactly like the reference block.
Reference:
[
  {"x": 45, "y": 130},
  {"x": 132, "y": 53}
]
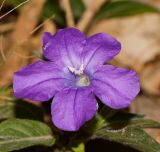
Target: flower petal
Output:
[
  {"x": 71, "y": 108},
  {"x": 46, "y": 38},
  {"x": 116, "y": 87},
  {"x": 39, "y": 81},
  {"x": 99, "y": 48},
  {"x": 65, "y": 47}
]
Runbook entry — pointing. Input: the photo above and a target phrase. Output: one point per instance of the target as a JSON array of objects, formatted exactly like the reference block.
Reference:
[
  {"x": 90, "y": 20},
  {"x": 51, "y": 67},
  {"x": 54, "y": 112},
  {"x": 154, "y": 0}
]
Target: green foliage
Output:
[
  {"x": 99, "y": 119},
  {"x": 20, "y": 109},
  {"x": 121, "y": 127},
  {"x": 118, "y": 119},
  {"x": 124, "y": 128},
  {"x": 78, "y": 8},
  {"x": 108, "y": 124},
  {"x": 15, "y": 2},
  {"x": 16, "y": 134},
  {"x": 79, "y": 148},
  {"x": 124, "y": 8},
  {"x": 122, "y": 119},
  {"x": 52, "y": 8},
  {"x": 113, "y": 8},
  {"x": 131, "y": 136}
]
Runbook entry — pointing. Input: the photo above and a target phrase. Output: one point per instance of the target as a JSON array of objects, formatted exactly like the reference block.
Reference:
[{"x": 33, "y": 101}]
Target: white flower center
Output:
[
  {"x": 81, "y": 79},
  {"x": 75, "y": 71}
]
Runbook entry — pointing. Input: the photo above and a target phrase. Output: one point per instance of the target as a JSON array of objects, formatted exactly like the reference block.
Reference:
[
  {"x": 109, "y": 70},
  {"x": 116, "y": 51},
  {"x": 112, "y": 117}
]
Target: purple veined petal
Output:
[
  {"x": 47, "y": 37},
  {"x": 115, "y": 87},
  {"x": 40, "y": 81},
  {"x": 71, "y": 108},
  {"x": 99, "y": 48},
  {"x": 65, "y": 47}
]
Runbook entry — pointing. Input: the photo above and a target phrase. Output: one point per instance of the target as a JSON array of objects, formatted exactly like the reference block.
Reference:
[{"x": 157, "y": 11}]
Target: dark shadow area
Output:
[
  {"x": 21, "y": 109},
  {"x": 100, "y": 145},
  {"x": 28, "y": 110},
  {"x": 10, "y": 17},
  {"x": 36, "y": 149},
  {"x": 97, "y": 145}
]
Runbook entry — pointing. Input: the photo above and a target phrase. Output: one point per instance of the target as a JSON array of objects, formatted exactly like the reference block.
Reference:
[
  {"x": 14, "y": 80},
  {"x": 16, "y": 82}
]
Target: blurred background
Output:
[{"x": 136, "y": 24}]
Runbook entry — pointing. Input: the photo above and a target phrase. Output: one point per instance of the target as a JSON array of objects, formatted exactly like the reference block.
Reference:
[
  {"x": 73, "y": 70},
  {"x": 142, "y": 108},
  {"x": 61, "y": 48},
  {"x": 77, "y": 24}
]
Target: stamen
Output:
[
  {"x": 75, "y": 71},
  {"x": 71, "y": 69},
  {"x": 81, "y": 67},
  {"x": 82, "y": 80}
]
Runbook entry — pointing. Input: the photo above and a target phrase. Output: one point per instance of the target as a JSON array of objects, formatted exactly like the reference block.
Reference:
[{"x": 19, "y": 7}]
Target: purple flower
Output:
[{"x": 74, "y": 74}]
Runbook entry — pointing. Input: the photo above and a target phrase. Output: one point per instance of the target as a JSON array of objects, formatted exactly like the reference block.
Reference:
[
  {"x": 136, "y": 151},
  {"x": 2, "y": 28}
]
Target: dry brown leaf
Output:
[
  {"x": 26, "y": 22},
  {"x": 139, "y": 36},
  {"x": 152, "y": 2},
  {"x": 88, "y": 2},
  {"x": 148, "y": 106},
  {"x": 158, "y": 138},
  {"x": 150, "y": 78},
  {"x": 49, "y": 26},
  {"x": 68, "y": 12},
  {"x": 89, "y": 14},
  {"x": 7, "y": 27},
  {"x": 140, "y": 39}
]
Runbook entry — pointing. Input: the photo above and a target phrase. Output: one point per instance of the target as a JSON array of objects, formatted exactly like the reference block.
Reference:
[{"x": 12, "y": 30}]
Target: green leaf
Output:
[
  {"x": 17, "y": 134},
  {"x": 127, "y": 129},
  {"x": 5, "y": 94},
  {"x": 131, "y": 136},
  {"x": 113, "y": 119},
  {"x": 117, "y": 119},
  {"x": 15, "y": 2},
  {"x": 124, "y": 8},
  {"x": 4, "y": 90},
  {"x": 121, "y": 119},
  {"x": 78, "y": 8},
  {"x": 145, "y": 123},
  {"x": 20, "y": 109},
  {"x": 79, "y": 148},
  {"x": 100, "y": 119},
  {"x": 52, "y": 8}
]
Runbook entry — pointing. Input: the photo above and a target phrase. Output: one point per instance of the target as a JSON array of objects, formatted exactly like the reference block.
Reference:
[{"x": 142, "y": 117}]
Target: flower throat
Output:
[{"x": 82, "y": 79}]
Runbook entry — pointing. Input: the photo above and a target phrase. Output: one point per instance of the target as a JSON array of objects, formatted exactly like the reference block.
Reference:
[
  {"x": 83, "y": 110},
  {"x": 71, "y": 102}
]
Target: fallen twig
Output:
[
  {"x": 26, "y": 23},
  {"x": 7, "y": 27},
  {"x": 39, "y": 26},
  {"x": 68, "y": 13},
  {"x": 2, "y": 4},
  {"x": 1, "y": 49},
  {"x": 13, "y": 8},
  {"x": 89, "y": 14}
]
